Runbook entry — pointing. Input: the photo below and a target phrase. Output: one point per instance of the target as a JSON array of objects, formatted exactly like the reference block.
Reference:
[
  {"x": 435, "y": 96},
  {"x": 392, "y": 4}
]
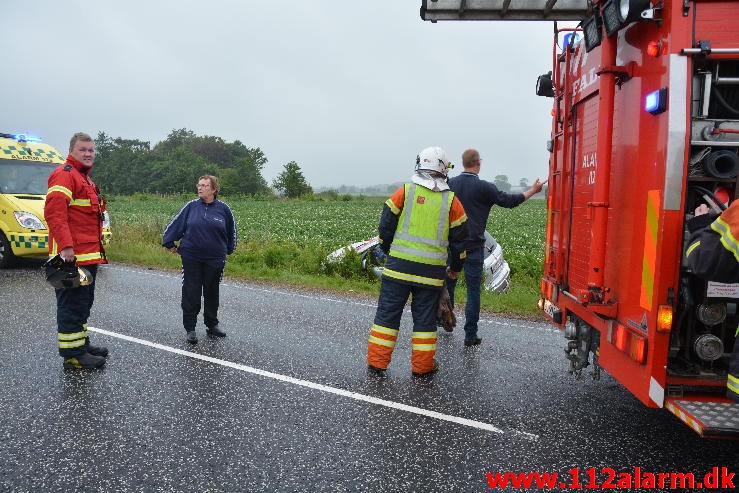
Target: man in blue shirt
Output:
[{"x": 478, "y": 197}]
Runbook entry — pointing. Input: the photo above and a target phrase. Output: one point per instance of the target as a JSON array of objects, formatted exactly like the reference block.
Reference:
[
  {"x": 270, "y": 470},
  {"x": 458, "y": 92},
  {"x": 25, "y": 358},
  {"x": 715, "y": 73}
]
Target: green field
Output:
[{"x": 286, "y": 241}]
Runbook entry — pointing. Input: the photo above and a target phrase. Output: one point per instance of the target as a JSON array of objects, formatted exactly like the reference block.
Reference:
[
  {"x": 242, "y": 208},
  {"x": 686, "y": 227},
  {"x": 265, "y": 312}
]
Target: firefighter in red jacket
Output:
[
  {"x": 713, "y": 254},
  {"x": 421, "y": 225},
  {"x": 74, "y": 212}
]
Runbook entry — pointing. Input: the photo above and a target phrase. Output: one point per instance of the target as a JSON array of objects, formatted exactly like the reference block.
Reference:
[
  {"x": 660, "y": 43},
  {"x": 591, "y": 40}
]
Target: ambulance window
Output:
[{"x": 24, "y": 177}]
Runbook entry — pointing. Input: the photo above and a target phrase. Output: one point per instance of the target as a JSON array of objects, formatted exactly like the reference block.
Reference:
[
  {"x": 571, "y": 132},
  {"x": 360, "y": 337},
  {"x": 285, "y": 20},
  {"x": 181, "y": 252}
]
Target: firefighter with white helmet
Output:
[
  {"x": 433, "y": 159},
  {"x": 422, "y": 228}
]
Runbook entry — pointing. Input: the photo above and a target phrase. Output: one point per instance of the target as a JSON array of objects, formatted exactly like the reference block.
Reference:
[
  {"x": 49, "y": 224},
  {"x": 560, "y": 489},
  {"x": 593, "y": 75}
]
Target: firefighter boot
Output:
[
  {"x": 473, "y": 342},
  {"x": 215, "y": 331},
  {"x": 84, "y": 361},
  {"x": 97, "y": 350},
  {"x": 430, "y": 372},
  {"x": 376, "y": 372}
]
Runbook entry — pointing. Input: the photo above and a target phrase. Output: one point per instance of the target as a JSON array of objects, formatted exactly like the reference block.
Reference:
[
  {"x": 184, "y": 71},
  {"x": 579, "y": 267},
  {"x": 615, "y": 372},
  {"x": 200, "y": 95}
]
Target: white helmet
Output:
[{"x": 433, "y": 159}]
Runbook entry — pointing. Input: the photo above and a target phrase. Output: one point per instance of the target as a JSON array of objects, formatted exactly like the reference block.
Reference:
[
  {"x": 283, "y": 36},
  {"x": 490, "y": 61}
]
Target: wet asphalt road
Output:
[{"x": 156, "y": 419}]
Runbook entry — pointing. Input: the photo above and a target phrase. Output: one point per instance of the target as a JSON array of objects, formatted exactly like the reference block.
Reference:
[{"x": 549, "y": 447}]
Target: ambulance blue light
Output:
[
  {"x": 26, "y": 138},
  {"x": 656, "y": 101}
]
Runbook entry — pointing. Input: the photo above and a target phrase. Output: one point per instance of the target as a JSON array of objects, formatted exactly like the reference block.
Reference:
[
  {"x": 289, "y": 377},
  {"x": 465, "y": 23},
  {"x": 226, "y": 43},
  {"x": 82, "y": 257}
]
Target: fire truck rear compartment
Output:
[{"x": 706, "y": 316}]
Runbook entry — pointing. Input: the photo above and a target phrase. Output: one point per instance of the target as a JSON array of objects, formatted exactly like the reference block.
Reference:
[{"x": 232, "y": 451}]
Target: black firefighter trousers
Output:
[
  {"x": 200, "y": 279},
  {"x": 72, "y": 311}
]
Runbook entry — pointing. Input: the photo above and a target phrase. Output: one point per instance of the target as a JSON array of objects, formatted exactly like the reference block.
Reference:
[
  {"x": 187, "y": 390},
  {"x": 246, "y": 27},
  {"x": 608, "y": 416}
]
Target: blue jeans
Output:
[{"x": 473, "y": 278}]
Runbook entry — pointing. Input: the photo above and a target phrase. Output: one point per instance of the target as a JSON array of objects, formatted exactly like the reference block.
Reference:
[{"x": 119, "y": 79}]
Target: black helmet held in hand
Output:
[{"x": 65, "y": 275}]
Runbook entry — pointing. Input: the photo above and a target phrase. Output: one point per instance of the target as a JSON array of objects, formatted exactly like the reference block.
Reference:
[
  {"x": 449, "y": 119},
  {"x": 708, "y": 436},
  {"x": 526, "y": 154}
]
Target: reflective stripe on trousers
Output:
[{"x": 384, "y": 332}]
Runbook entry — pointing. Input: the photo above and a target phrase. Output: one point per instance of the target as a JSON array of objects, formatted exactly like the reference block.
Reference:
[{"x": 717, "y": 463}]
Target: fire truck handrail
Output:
[
  {"x": 714, "y": 143},
  {"x": 712, "y": 51},
  {"x": 727, "y": 81}
]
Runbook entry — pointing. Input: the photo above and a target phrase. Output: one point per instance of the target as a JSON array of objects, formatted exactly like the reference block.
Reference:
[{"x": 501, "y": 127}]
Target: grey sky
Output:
[{"x": 350, "y": 90}]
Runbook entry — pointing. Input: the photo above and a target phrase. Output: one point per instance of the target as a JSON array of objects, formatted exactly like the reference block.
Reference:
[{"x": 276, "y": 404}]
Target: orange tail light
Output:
[{"x": 664, "y": 318}]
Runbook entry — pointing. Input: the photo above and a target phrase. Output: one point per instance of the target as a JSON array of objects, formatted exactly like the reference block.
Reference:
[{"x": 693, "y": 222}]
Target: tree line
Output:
[
  {"x": 127, "y": 166},
  {"x": 172, "y": 166}
]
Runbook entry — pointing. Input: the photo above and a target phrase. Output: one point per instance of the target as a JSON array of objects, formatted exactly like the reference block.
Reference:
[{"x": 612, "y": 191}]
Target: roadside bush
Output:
[{"x": 349, "y": 267}]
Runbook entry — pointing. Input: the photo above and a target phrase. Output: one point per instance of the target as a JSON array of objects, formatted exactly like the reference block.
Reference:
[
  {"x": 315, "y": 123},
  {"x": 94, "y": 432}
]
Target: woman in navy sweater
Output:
[{"x": 206, "y": 231}]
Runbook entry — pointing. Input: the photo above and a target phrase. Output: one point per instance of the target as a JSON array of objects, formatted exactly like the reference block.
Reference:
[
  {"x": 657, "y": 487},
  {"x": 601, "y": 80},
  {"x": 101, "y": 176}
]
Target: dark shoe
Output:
[
  {"x": 430, "y": 372},
  {"x": 472, "y": 342},
  {"x": 191, "y": 337},
  {"x": 215, "y": 331},
  {"x": 440, "y": 325},
  {"x": 97, "y": 350},
  {"x": 376, "y": 372},
  {"x": 84, "y": 361}
]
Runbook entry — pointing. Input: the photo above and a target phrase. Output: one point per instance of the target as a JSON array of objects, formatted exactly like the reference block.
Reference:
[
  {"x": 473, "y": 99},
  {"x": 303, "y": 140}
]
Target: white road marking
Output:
[{"x": 317, "y": 386}]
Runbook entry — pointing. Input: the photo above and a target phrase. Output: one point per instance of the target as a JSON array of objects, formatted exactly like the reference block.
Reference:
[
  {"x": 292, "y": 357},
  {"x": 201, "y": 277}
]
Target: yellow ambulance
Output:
[{"x": 25, "y": 164}]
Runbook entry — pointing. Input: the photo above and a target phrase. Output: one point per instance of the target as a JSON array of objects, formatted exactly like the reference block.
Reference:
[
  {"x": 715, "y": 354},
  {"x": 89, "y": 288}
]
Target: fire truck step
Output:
[{"x": 707, "y": 418}]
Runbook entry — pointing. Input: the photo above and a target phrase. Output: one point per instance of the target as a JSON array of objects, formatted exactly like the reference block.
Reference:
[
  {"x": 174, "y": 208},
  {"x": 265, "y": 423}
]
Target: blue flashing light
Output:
[
  {"x": 26, "y": 138},
  {"x": 656, "y": 101},
  {"x": 570, "y": 39}
]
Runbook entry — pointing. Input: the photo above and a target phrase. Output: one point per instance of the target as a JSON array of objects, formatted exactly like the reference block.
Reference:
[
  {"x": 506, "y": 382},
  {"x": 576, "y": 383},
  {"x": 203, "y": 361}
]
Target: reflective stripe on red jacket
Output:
[
  {"x": 713, "y": 252},
  {"x": 73, "y": 211}
]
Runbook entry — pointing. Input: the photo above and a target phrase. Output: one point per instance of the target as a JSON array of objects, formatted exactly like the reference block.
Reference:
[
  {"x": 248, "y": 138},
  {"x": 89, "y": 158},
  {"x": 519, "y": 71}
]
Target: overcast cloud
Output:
[{"x": 351, "y": 90}]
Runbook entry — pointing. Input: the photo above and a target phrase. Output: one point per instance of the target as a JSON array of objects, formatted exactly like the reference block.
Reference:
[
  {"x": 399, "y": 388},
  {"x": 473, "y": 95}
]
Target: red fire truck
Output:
[{"x": 645, "y": 129}]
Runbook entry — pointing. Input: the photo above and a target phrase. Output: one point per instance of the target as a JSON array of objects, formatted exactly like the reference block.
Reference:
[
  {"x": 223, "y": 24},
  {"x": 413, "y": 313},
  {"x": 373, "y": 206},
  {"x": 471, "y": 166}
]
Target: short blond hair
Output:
[{"x": 79, "y": 136}]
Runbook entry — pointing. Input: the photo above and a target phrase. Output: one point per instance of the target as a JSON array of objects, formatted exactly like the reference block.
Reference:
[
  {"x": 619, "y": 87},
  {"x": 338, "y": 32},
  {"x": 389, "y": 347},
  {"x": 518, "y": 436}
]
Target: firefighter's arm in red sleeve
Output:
[
  {"x": 389, "y": 218},
  {"x": 457, "y": 236},
  {"x": 56, "y": 208},
  {"x": 713, "y": 251}
]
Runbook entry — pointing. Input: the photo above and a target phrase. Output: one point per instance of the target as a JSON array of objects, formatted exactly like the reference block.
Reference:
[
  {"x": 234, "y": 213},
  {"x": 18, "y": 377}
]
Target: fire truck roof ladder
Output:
[{"x": 519, "y": 10}]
